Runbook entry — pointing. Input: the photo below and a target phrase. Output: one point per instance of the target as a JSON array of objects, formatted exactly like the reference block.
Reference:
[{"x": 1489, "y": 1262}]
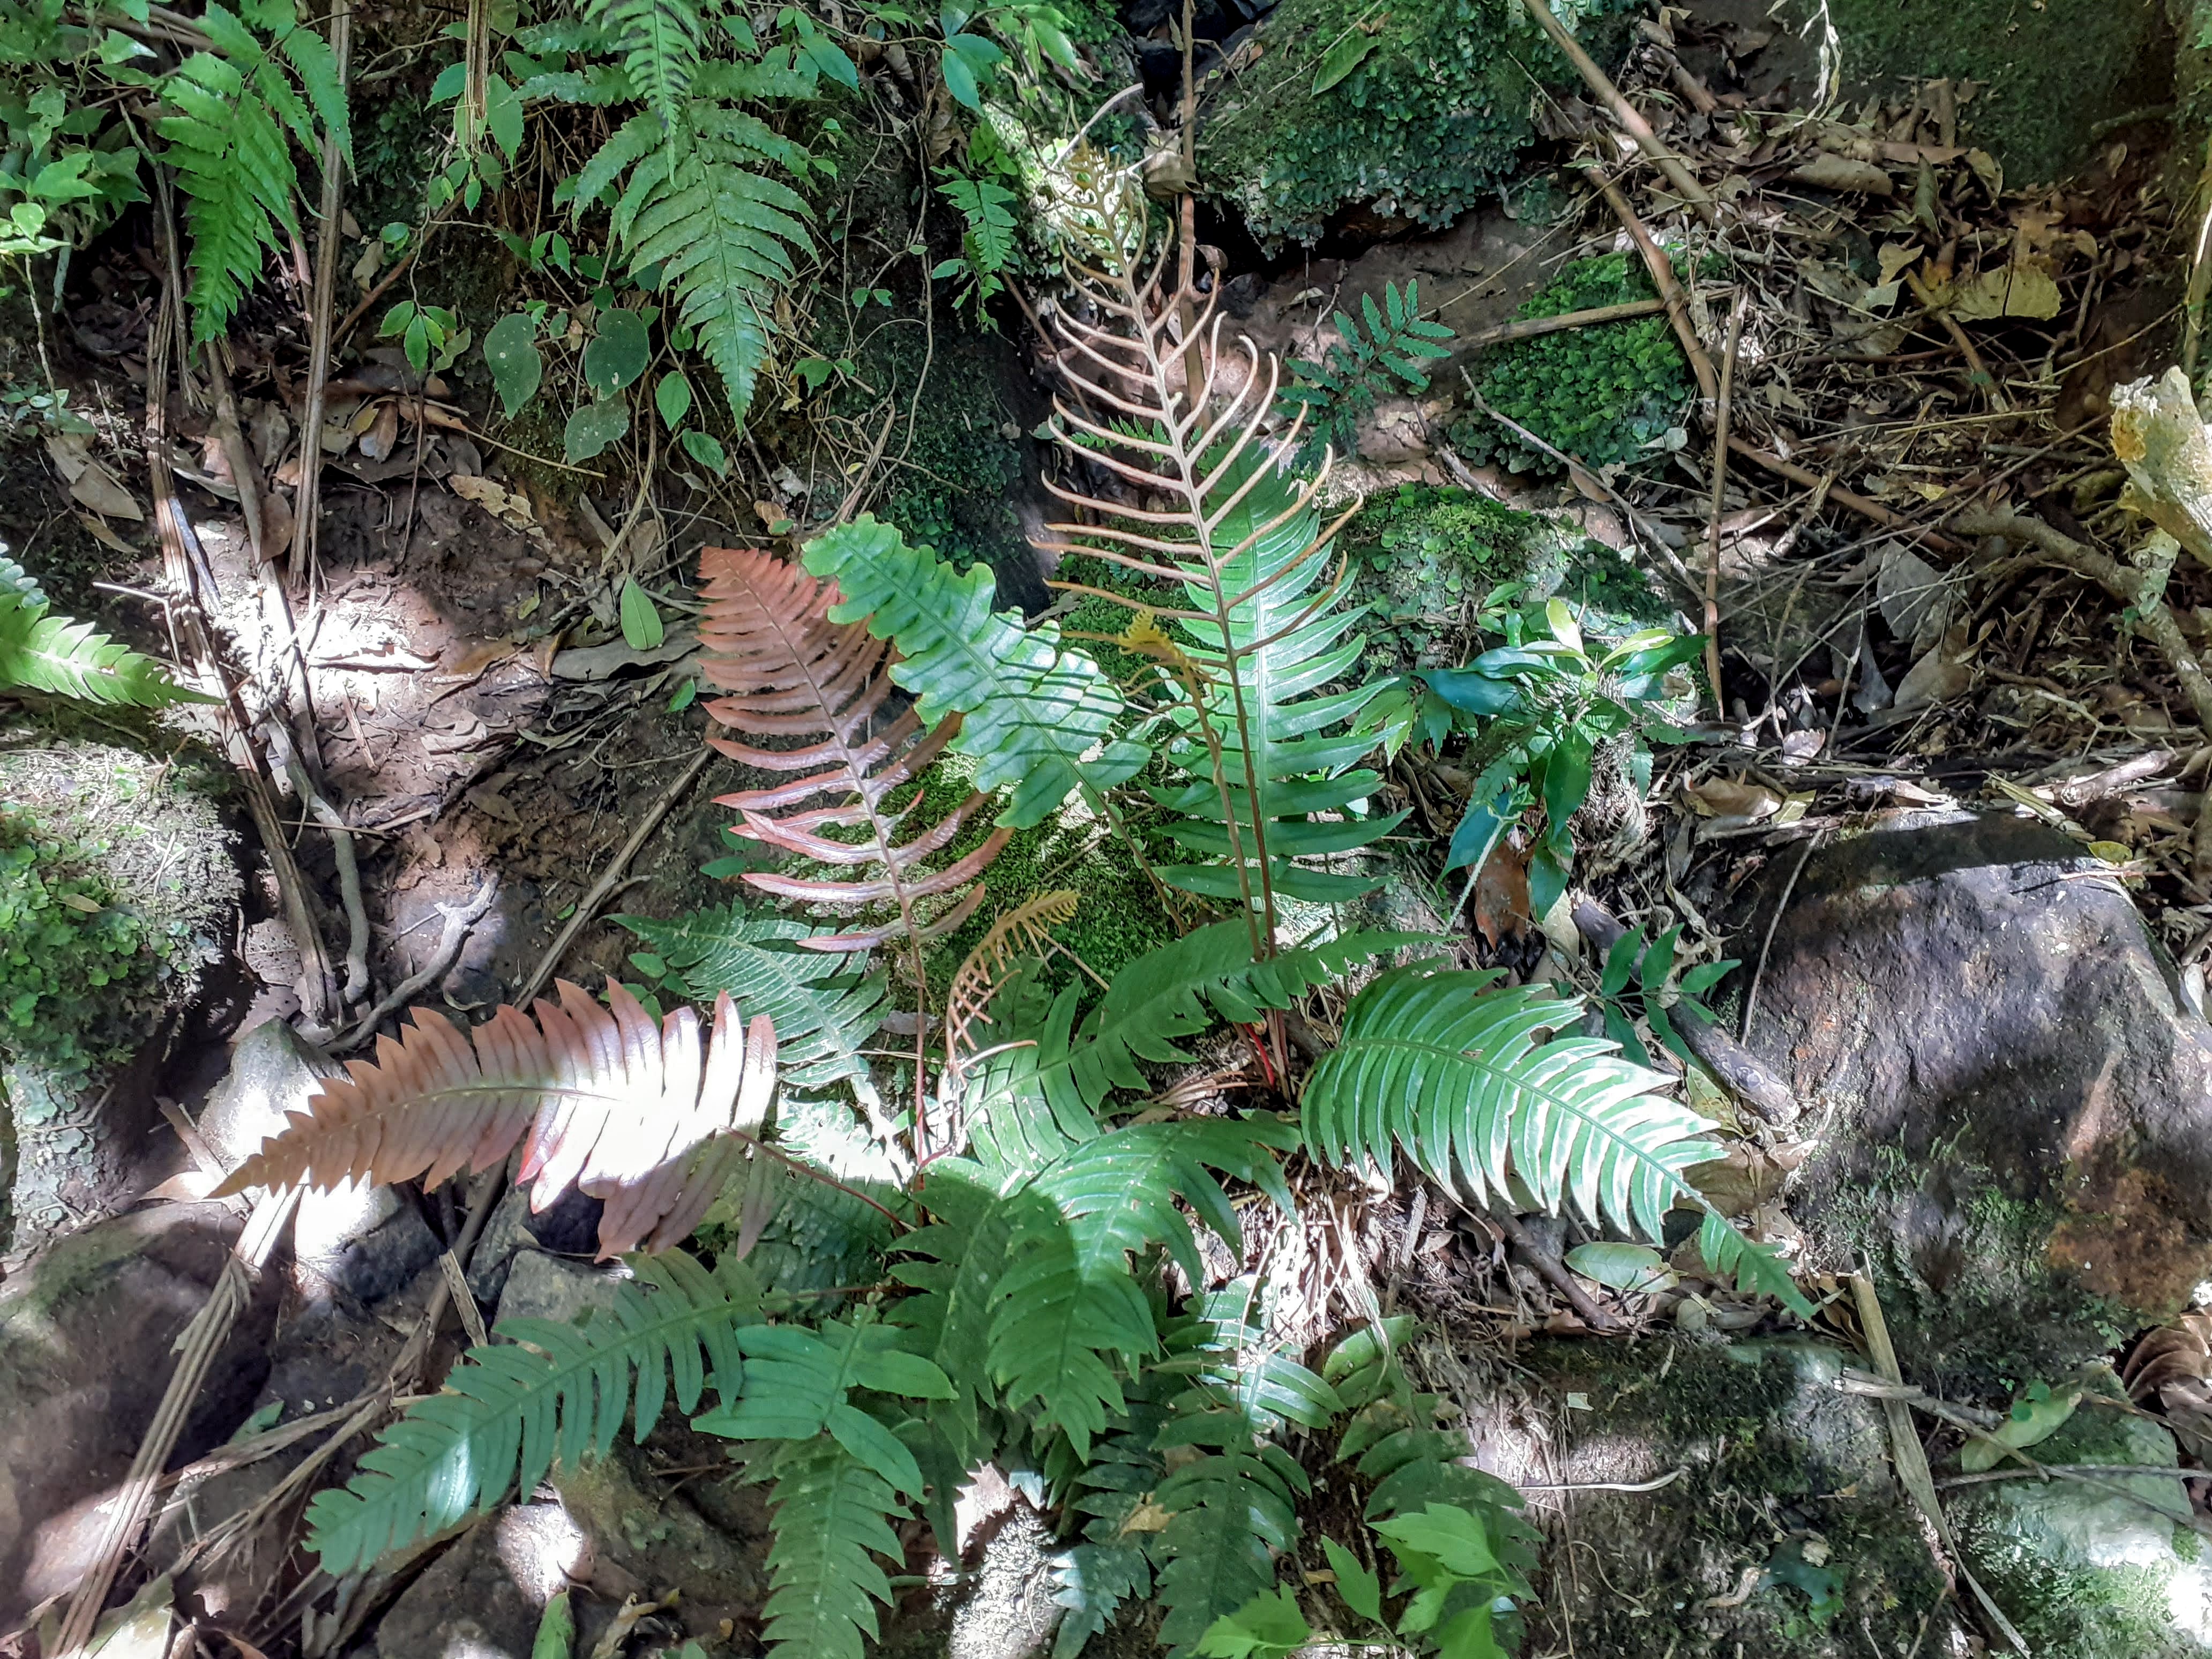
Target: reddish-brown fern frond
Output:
[
  {"x": 793, "y": 674},
  {"x": 631, "y": 1113}
]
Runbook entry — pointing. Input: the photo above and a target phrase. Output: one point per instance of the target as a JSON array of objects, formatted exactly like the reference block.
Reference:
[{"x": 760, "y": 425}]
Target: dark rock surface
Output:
[
  {"x": 2011, "y": 1107},
  {"x": 85, "y": 1336}
]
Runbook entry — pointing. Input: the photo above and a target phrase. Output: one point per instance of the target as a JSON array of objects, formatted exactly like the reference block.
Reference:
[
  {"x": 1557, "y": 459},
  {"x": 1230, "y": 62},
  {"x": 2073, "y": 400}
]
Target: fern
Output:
[
  {"x": 1289, "y": 746},
  {"x": 831, "y": 1527},
  {"x": 1341, "y": 390},
  {"x": 694, "y": 199},
  {"x": 824, "y": 1010},
  {"x": 627, "y": 1112},
  {"x": 1033, "y": 711},
  {"x": 1234, "y": 1506},
  {"x": 1030, "y": 1299},
  {"x": 39, "y": 652},
  {"x": 226, "y": 140},
  {"x": 1468, "y": 1082},
  {"x": 509, "y": 1412}
]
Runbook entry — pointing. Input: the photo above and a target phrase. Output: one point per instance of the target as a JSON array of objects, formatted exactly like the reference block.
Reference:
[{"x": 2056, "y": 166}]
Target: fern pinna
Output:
[{"x": 41, "y": 651}]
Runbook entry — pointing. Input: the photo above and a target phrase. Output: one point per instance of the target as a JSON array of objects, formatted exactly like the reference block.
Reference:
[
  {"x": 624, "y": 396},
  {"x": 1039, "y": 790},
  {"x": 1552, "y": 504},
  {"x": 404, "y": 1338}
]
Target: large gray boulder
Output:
[{"x": 2011, "y": 1106}]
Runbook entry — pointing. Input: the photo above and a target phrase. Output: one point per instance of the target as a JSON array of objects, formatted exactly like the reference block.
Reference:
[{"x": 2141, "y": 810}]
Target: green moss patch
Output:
[
  {"x": 1605, "y": 395},
  {"x": 1428, "y": 122}
]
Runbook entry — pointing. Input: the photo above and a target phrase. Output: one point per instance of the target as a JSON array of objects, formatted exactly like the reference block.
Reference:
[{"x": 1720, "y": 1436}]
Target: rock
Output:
[
  {"x": 470, "y": 1603},
  {"x": 2010, "y": 1107},
  {"x": 272, "y": 1073},
  {"x": 568, "y": 1226},
  {"x": 647, "y": 1539},
  {"x": 2084, "y": 1574},
  {"x": 1005, "y": 1610},
  {"x": 1776, "y": 1524},
  {"x": 85, "y": 1336},
  {"x": 541, "y": 1286}
]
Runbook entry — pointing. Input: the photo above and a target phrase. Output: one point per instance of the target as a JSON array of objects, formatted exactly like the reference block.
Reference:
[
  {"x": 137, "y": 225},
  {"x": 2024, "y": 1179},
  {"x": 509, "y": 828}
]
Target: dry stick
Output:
[
  {"x": 318, "y": 991},
  {"x": 1553, "y": 1269},
  {"x": 1626, "y": 113},
  {"x": 1529, "y": 327},
  {"x": 196, "y": 1348},
  {"x": 1872, "y": 510},
  {"x": 1662, "y": 275},
  {"x": 459, "y": 919},
  {"x": 611, "y": 875},
  {"x": 1720, "y": 483},
  {"x": 1911, "y": 1458},
  {"x": 309, "y": 495},
  {"x": 400, "y": 268}
]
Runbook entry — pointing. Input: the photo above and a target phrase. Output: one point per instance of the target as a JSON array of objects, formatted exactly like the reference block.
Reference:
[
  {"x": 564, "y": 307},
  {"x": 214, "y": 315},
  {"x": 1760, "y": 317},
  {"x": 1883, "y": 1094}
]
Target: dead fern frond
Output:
[
  {"x": 1025, "y": 930},
  {"x": 793, "y": 674},
  {"x": 633, "y": 1113}
]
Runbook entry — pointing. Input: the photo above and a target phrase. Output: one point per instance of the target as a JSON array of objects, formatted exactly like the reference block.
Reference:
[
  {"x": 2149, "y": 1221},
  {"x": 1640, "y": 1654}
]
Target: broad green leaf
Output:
[
  {"x": 2035, "y": 1417},
  {"x": 1630, "y": 1268},
  {"x": 673, "y": 397},
  {"x": 618, "y": 353},
  {"x": 640, "y": 620},
  {"x": 511, "y": 353},
  {"x": 707, "y": 449},
  {"x": 1264, "y": 1627},
  {"x": 557, "y": 1631},
  {"x": 1359, "y": 1587},
  {"x": 1340, "y": 59},
  {"x": 503, "y": 115},
  {"x": 594, "y": 427}
]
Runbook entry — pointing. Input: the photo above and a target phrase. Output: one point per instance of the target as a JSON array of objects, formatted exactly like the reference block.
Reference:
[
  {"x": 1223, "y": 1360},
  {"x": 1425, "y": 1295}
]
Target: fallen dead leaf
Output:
[
  {"x": 1719, "y": 797},
  {"x": 90, "y": 482},
  {"x": 2024, "y": 288},
  {"x": 1828, "y": 171}
]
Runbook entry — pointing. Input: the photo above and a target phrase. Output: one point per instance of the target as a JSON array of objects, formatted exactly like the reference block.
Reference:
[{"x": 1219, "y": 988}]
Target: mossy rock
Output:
[
  {"x": 1784, "y": 1533},
  {"x": 1423, "y": 558},
  {"x": 2084, "y": 1574},
  {"x": 1430, "y": 122},
  {"x": 116, "y": 883}
]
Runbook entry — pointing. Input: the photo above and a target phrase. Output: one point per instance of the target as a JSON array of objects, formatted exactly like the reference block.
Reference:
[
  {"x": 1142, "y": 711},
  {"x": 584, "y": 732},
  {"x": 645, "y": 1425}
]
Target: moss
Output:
[
  {"x": 2047, "y": 72},
  {"x": 1431, "y": 121},
  {"x": 1118, "y": 916},
  {"x": 115, "y": 873},
  {"x": 1971, "y": 1301},
  {"x": 1604, "y": 395},
  {"x": 1422, "y": 557},
  {"x": 1782, "y": 1480}
]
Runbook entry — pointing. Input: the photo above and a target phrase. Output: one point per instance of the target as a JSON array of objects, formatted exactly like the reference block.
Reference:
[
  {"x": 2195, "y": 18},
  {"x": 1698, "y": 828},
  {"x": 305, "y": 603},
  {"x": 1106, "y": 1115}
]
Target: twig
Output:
[
  {"x": 1720, "y": 485},
  {"x": 459, "y": 919},
  {"x": 1662, "y": 275},
  {"x": 1663, "y": 1481},
  {"x": 399, "y": 268},
  {"x": 1553, "y": 1269},
  {"x": 308, "y": 497},
  {"x": 1842, "y": 497},
  {"x": 1631, "y": 121},
  {"x": 1529, "y": 327},
  {"x": 356, "y": 986},
  {"x": 611, "y": 876},
  {"x": 1767, "y": 944},
  {"x": 643, "y": 499},
  {"x": 2041, "y": 1470},
  {"x": 1911, "y": 1458}
]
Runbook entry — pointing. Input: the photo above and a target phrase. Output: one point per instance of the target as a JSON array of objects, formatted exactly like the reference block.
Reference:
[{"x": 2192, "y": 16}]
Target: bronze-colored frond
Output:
[
  {"x": 1025, "y": 930},
  {"x": 633, "y": 1113},
  {"x": 823, "y": 687}
]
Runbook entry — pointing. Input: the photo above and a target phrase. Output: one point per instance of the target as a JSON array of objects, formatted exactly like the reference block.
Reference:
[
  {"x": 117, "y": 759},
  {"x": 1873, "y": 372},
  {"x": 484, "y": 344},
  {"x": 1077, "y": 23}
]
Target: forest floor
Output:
[{"x": 510, "y": 771}]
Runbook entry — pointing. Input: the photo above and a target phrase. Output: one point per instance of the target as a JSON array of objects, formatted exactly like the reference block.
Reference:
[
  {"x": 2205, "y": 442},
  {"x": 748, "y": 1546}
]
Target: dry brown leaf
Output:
[
  {"x": 90, "y": 482},
  {"x": 1500, "y": 905},
  {"x": 1828, "y": 171},
  {"x": 2024, "y": 288},
  {"x": 1719, "y": 798}
]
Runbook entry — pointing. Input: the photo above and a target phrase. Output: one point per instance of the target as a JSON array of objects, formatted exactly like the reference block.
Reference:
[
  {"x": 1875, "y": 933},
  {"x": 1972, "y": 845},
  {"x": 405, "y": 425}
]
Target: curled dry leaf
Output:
[
  {"x": 629, "y": 1112},
  {"x": 1725, "y": 798}
]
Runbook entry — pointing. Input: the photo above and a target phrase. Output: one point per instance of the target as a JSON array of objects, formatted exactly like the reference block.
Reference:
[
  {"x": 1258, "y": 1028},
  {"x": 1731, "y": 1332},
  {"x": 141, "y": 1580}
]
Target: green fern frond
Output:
[
  {"x": 1755, "y": 1267},
  {"x": 510, "y": 1412},
  {"x": 1029, "y": 1293},
  {"x": 1091, "y": 1581},
  {"x": 235, "y": 170},
  {"x": 1469, "y": 1082},
  {"x": 660, "y": 43},
  {"x": 824, "y": 1011},
  {"x": 1289, "y": 746},
  {"x": 1034, "y": 710},
  {"x": 831, "y": 1527},
  {"x": 796, "y": 1387},
  {"x": 70, "y": 658}
]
